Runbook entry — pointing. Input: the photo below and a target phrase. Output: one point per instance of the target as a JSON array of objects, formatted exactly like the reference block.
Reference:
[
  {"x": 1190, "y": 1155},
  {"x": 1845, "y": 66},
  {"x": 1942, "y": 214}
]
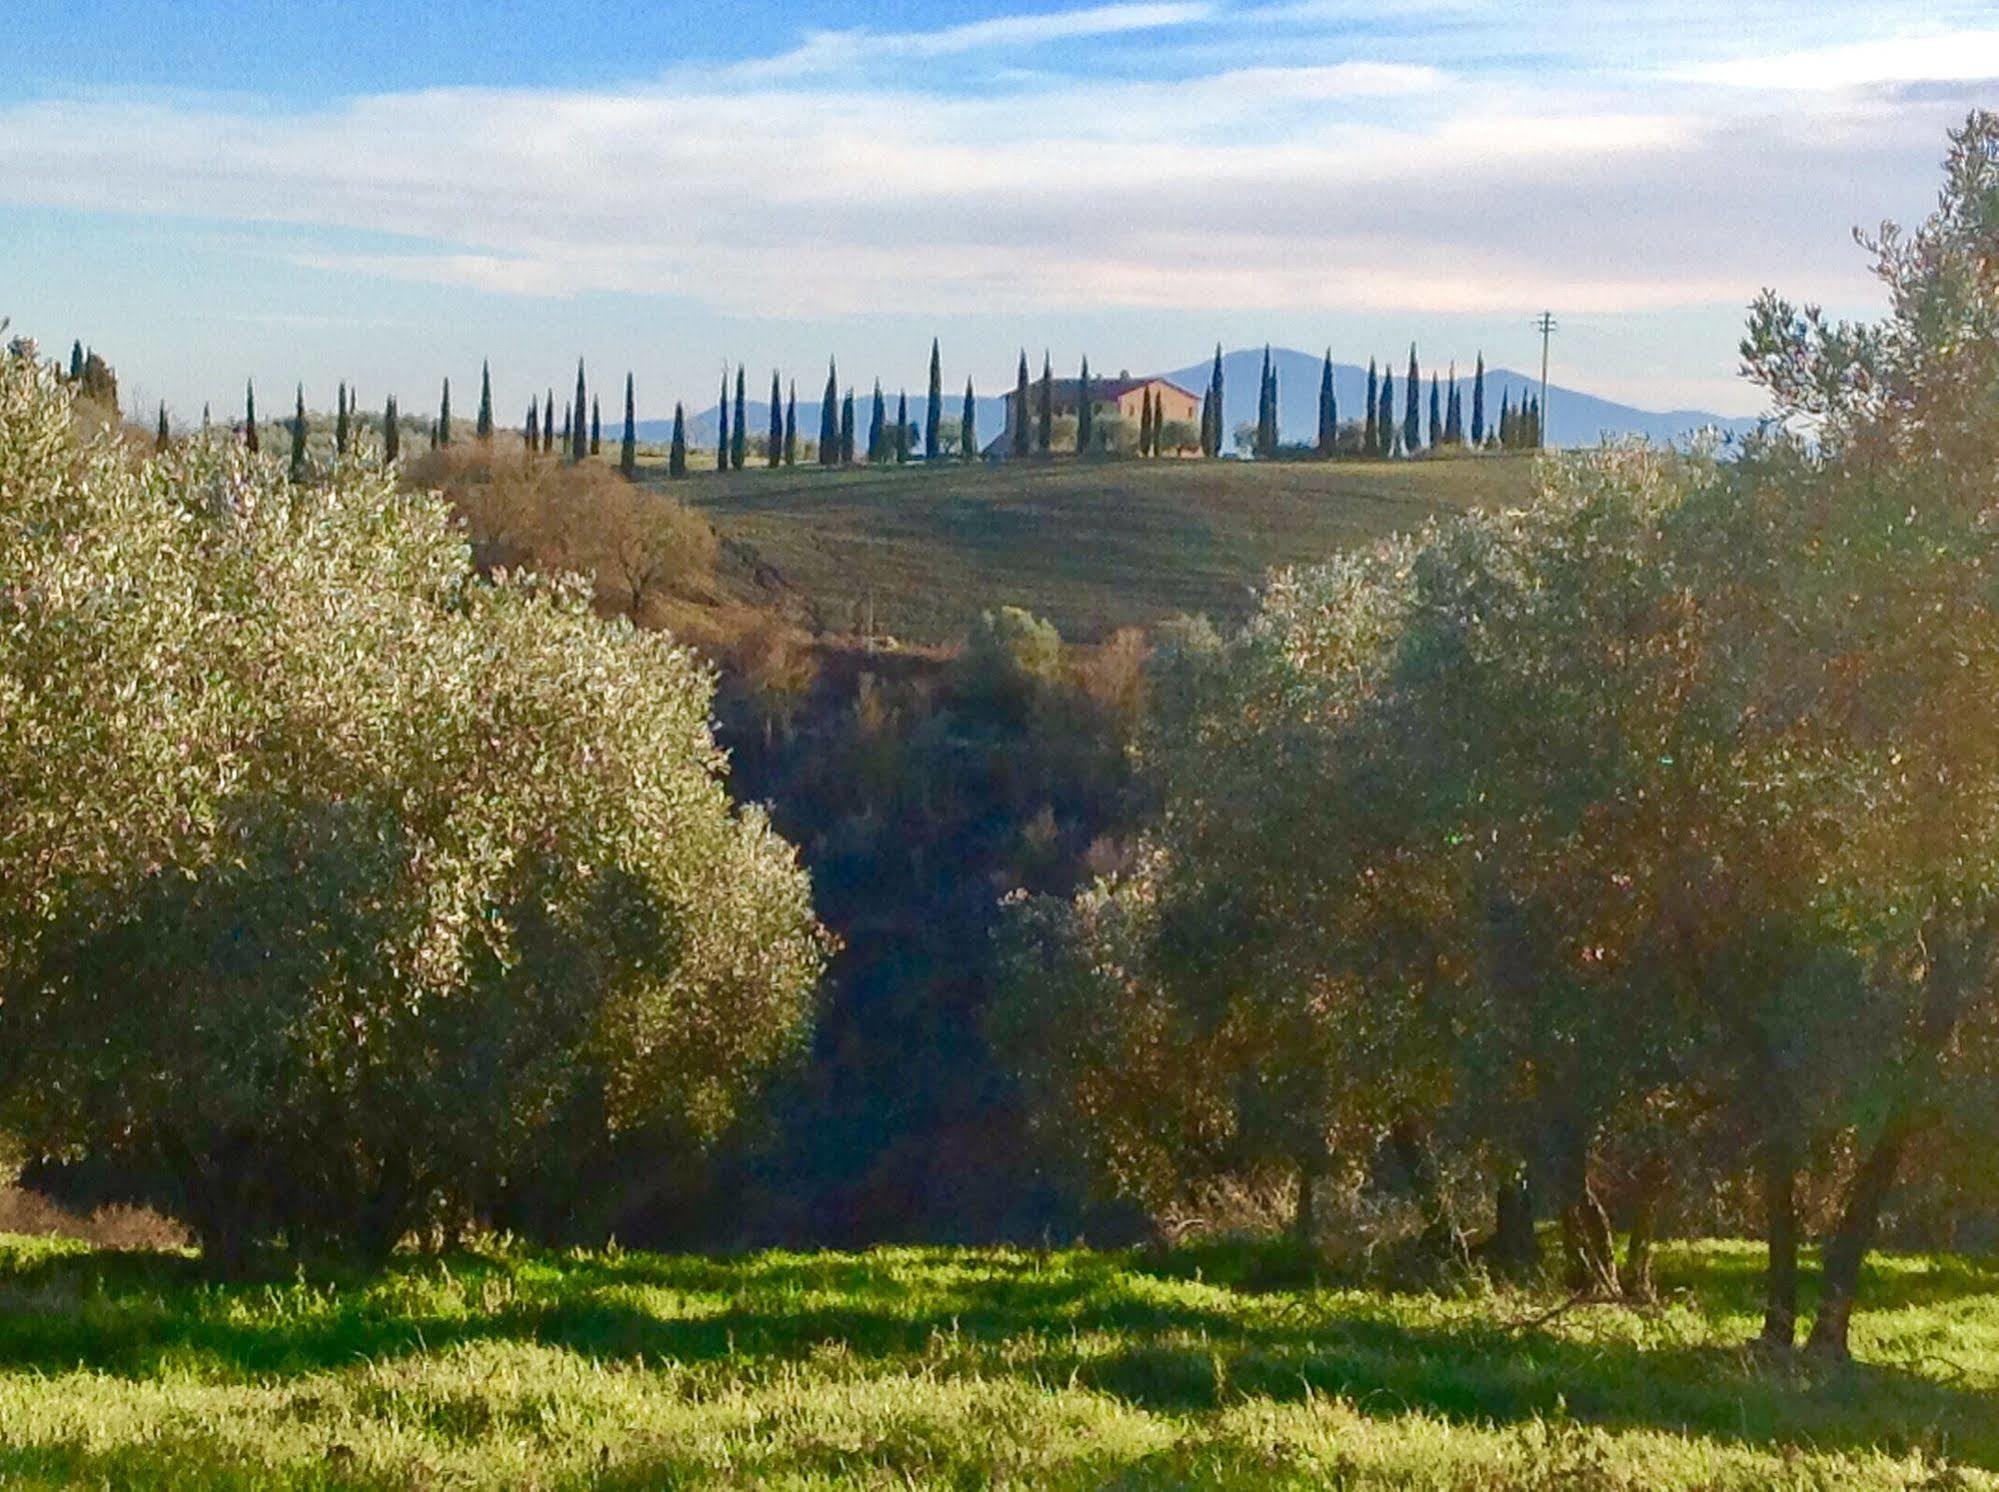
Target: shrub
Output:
[
  {"x": 343, "y": 890},
  {"x": 636, "y": 545}
]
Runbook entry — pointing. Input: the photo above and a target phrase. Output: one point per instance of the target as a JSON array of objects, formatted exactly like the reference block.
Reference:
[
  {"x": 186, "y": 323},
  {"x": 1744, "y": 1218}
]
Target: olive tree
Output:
[{"x": 341, "y": 889}]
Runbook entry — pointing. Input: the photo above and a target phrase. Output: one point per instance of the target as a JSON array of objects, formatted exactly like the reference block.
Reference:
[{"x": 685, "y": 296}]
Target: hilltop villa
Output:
[{"x": 1121, "y": 398}]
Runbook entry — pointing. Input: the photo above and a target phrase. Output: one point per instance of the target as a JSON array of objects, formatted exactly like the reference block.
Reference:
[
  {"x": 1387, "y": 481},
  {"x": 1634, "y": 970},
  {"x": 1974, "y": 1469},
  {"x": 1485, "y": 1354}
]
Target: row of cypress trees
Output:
[{"x": 1382, "y": 433}]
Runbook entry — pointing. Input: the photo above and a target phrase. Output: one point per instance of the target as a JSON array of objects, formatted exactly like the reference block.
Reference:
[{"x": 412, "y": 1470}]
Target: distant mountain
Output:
[{"x": 1574, "y": 418}]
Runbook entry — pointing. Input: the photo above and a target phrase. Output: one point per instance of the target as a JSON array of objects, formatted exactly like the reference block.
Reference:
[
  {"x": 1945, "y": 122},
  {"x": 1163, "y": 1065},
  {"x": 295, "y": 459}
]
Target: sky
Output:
[{"x": 390, "y": 191}]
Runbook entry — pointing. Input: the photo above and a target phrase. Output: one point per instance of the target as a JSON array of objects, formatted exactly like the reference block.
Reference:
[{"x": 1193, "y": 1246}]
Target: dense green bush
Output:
[{"x": 343, "y": 891}]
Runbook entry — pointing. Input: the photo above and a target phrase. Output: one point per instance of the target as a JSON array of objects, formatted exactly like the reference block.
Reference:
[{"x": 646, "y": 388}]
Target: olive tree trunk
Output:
[{"x": 1846, "y": 1250}]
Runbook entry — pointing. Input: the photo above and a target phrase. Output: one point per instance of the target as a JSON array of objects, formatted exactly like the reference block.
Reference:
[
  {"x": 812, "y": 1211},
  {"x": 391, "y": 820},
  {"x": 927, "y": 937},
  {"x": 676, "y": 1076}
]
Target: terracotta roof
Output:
[{"x": 1063, "y": 391}]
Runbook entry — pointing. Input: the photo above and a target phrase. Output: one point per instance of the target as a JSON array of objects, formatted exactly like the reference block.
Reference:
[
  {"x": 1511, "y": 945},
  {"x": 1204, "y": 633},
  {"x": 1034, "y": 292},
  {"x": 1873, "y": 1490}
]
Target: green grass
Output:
[
  {"x": 1092, "y": 546},
  {"x": 964, "y": 1369}
]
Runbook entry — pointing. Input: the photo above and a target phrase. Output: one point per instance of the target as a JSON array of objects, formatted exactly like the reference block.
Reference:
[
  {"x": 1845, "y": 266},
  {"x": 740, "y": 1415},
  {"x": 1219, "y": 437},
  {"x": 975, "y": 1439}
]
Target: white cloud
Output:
[
  {"x": 1341, "y": 180},
  {"x": 1944, "y": 56}
]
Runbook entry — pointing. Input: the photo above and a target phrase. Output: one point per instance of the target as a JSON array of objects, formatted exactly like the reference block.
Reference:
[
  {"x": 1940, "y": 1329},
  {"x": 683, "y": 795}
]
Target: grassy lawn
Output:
[
  {"x": 1092, "y": 546},
  {"x": 953, "y": 1368}
]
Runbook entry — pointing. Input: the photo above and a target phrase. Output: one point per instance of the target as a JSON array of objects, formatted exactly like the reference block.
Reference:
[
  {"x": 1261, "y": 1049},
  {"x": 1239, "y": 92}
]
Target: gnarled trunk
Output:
[
  {"x": 1780, "y": 1229},
  {"x": 1635, "y": 1278},
  {"x": 1514, "y": 1248},
  {"x": 1588, "y": 1250},
  {"x": 1847, "y": 1249},
  {"x": 1441, "y": 1235},
  {"x": 1589, "y": 1255}
]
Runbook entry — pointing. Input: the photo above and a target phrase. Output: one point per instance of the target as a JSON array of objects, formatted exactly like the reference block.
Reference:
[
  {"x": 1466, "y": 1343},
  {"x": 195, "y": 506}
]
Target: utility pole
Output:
[{"x": 1545, "y": 325}]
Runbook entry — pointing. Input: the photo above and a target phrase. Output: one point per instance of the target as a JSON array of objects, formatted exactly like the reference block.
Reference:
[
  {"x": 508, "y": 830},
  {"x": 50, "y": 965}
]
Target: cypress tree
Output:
[
  {"x": 340, "y": 424},
  {"x": 1086, "y": 415},
  {"x": 1264, "y": 414},
  {"x": 298, "y": 438},
  {"x": 1329, "y": 409},
  {"x": 722, "y": 426},
  {"x": 1454, "y": 425},
  {"x": 1045, "y": 436},
  {"x": 1145, "y": 422},
  {"x": 205, "y": 421},
  {"x": 1020, "y": 408},
  {"x": 1437, "y": 410},
  {"x": 1217, "y": 405},
  {"x": 1207, "y": 418},
  {"x": 933, "y": 411},
  {"x": 739, "y": 443},
  {"x": 628, "y": 450},
  {"x": 578, "y": 437},
  {"x": 877, "y": 426},
  {"x": 791, "y": 425},
  {"x": 1539, "y": 431},
  {"x": 531, "y": 432},
  {"x": 485, "y": 425},
  {"x": 1412, "y": 412},
  {"x": 251, "y": 442},
  {"x": 847, "y": 429},
  {"x": 1384, "y": 420},
  {"x": 76, "y": 361},
  {"x": 1272, "y": 441},
  {"x": 548, "y": 422},
  {"x": 829, "y": 419},
  {"x": 1262, "y": 403},
  {"x": 774, "y": 438},
  {"x": 1478, "y": 402},
  {"x": 1370, "y": 440},
  {"x": 968, "y": 426},
  {"x": 1505, "y": 419},
  {"x": 676, "y": 456},
  {"x": 902, "y": 426},
  {"x": 160, "y": 440},
  {"x": 444, "y": 416},
  {"x": 392, "y": 432},
  {"x": 596, "y": 427}
]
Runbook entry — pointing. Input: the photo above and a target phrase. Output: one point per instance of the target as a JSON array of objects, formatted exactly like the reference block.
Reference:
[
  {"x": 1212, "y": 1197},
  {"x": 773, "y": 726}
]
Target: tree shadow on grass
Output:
[{"x": 1087, "y": 1320}]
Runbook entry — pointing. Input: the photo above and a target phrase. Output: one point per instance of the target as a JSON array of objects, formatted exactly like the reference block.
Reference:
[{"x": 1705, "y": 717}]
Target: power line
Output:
[{"x": 1545, "y": 325}]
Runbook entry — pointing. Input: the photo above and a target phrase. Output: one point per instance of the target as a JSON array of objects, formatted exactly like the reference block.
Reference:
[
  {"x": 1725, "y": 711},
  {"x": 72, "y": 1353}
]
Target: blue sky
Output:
[{"x": 388, "y": 193}]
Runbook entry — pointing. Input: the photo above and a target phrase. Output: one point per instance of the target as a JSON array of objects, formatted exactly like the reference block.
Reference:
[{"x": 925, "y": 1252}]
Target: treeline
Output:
[
  {"x": 577, "y": 433},
  {"x": 1380, "y": 432},
  {"x": 1636, "y": 843}
]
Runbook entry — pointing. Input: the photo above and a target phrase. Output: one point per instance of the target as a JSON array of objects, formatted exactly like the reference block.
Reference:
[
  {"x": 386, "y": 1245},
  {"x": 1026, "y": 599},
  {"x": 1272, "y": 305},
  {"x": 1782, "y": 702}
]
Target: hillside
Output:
[
  {"x": 922, "y": 1368},
  {"x": 1091, "y": 546}
]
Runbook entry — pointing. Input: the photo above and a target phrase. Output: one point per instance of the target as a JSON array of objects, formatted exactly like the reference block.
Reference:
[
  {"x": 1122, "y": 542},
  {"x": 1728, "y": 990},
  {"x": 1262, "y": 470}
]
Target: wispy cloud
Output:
[{"x": 825, "y": 51}]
